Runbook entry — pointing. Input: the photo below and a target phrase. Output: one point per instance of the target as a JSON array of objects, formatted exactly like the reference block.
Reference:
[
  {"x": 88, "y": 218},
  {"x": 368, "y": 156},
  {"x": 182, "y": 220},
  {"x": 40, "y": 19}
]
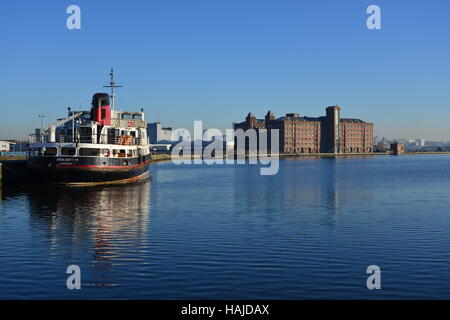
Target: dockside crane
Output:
[{"x": 51, "y": 129}]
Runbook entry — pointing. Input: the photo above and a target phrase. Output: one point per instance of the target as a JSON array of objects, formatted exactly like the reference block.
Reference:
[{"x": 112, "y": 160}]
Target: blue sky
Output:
[{"x": 216, "y": 60}]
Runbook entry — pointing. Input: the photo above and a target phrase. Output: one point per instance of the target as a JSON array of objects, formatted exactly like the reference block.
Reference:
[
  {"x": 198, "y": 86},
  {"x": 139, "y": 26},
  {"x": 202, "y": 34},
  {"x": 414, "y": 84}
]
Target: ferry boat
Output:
[{"x": 98, "y": 146}]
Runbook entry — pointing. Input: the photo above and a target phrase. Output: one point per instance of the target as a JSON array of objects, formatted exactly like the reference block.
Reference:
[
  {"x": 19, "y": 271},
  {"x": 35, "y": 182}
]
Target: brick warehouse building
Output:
[{"x": 326, "y": 134}]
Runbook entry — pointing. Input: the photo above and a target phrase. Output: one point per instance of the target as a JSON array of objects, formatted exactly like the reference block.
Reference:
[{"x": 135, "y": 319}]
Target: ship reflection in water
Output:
[{"x": 105, "y": 228}]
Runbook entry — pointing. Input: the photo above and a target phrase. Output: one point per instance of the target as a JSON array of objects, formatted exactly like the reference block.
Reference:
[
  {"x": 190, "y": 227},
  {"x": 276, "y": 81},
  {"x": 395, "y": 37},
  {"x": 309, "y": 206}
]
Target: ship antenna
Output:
[{"x": 112, "y": 85}]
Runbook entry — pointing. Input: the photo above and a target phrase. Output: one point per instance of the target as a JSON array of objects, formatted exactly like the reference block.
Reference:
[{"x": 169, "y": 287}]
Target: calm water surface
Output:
[{"x": 225, "y": 232}]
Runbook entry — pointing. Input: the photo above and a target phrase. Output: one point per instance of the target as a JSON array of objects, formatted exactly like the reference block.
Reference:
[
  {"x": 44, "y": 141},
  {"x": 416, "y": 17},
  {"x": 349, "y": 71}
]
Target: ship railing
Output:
[
  {"x": 70, "y": 139},
  {"x": 64, "y": 139},
  {"x": 124, "y": 140}
]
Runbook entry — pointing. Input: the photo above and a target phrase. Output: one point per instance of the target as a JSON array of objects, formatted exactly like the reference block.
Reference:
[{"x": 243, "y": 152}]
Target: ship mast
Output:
[{"x": 112, "y": 85}]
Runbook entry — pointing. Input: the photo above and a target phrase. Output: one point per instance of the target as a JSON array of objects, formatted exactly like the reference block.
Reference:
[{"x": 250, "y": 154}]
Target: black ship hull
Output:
[{"x": 87, "y": 170}]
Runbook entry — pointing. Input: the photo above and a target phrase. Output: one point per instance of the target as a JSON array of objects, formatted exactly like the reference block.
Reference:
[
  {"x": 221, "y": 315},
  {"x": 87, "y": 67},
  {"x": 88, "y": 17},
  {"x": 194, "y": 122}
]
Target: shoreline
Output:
[{"x": 167, "y": 157}]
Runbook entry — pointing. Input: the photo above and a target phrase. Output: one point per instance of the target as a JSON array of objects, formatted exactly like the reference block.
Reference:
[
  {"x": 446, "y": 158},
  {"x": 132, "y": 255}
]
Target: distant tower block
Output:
[{"x": 333, "y": 123}]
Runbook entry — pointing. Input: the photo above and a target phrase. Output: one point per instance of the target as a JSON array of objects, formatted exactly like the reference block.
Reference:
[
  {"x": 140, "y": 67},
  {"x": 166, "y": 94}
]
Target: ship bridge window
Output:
[
  {"x": 137, "y": 117},
  {"x": 50, "y": 151},
  {"x": 85, "y": 134},
  {"x": 127, "y": 116},
  {"x": 67, "y": 151},
  {"x": 85, "y": 131},
  {"x": 88, "y": 152}
]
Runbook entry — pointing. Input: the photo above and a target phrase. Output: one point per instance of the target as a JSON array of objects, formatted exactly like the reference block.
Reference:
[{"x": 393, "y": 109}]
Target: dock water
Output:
[{"x": 13, "y": 171}]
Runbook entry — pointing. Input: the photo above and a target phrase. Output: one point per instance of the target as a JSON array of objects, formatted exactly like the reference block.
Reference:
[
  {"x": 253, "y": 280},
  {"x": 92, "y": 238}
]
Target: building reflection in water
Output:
[
  {"x": 307, "y": 186},
  {"x": 105, "y": 228}
]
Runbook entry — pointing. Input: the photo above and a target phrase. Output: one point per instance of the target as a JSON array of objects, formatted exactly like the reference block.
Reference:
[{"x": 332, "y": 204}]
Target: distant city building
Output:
[
  {"x": 402, "y": 141},
  {"x": 421, "y": 142},
  {"x": 162, "y": 139},
  {"x": 376, "y": 140},
  {"x": 21, "y": 146},
  {"x": 159, "y": 134},
  {"x": 326, "y": 134},
  {"x": 6, "y": 146},
  {"x": 33, "y": 138}
]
